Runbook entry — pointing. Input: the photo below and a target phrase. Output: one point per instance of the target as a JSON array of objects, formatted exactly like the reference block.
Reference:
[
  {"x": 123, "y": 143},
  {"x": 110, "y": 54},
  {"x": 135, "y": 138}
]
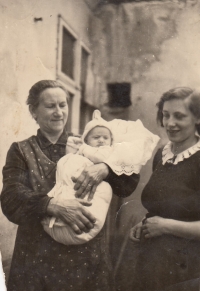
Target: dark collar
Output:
[{"x": 44, "y": 142}]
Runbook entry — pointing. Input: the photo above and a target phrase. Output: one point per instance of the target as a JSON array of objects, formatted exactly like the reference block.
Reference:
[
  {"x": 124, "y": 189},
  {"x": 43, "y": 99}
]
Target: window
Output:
[
  {"x": 72, "y": 66},
  {"x": 67, "y": 54},
  {"x": 86, "y": 110},
  {"x": 69, "y": 119},
  {"x": 84, "y": 68},
  {"x": 119, "y": 94},
  {"x": 68, "y": 47}
]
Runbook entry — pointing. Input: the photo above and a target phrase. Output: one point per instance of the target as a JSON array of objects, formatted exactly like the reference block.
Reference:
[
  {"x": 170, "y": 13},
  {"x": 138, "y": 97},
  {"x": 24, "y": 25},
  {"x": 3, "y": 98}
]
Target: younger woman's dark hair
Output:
[
  {"x": 180, "y": 93},
  {"x": 39, "y": 87}
]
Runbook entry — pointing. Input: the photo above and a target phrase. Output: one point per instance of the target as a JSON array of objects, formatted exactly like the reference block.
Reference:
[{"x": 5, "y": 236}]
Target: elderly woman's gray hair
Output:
[{"x": 39, "y": 87}]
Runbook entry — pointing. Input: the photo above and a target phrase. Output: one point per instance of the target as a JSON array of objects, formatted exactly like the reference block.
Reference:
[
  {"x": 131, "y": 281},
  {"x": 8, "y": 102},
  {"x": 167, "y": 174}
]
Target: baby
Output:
[{"x": 98, "y": 146}]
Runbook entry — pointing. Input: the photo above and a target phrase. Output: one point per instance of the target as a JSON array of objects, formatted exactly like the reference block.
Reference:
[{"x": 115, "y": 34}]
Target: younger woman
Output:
[{"x": 169, "y": 236}]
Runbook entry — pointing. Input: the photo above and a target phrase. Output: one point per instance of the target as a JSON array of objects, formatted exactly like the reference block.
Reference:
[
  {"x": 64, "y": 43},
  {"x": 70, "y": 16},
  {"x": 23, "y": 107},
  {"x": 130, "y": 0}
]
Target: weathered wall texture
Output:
[
  {"x": 28, "y": 53},
  {"x": 154, "y": 46}
]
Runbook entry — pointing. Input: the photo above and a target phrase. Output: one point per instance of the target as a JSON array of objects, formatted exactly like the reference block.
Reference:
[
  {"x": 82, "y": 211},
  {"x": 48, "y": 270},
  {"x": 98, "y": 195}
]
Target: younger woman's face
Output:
[
  {"x": 179, "y": 122},
  {"x": 99, "y": 136}
]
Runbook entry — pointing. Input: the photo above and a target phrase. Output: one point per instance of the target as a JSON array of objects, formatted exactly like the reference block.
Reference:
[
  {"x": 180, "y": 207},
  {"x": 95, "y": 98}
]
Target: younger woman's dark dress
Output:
[{"x": 173, "y": 191}]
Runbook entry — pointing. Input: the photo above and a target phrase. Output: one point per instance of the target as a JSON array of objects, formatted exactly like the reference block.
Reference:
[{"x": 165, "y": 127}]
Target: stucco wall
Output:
[
  {"x": 28, "y": 53},
  {"x": 154, "y": 46}
]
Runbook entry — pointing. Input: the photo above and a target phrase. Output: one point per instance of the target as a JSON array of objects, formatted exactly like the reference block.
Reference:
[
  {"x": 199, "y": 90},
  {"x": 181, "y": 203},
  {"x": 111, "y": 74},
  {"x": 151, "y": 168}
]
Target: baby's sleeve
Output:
[
  {"x": 73, "y": 144},
  {"x": 95, "y": 154}
]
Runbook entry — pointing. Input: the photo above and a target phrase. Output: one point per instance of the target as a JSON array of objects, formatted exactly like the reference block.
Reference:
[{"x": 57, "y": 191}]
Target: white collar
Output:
[{"x": 169, "y": 157}]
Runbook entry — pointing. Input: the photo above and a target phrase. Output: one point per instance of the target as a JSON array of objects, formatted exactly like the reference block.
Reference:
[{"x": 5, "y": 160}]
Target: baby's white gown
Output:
[
  {"x": 132, "y": 148},
  {"x": 69, "y": 166}
]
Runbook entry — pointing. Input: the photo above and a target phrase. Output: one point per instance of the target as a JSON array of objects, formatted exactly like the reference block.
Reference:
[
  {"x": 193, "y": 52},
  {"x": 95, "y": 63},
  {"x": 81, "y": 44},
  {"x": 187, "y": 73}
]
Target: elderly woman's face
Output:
[
  {"x": 52, "y": 111},
  {"x": 178, "y": 121}
]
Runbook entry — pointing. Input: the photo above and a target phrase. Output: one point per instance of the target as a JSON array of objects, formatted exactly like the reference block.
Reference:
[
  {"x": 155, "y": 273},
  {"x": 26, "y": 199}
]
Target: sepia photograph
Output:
[{"x": 100, "y": 145}]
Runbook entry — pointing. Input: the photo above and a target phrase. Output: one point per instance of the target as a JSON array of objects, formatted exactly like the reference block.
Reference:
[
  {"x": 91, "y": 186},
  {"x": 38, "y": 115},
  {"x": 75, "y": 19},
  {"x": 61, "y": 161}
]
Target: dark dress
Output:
[
  {"x": 39, "y": 263},
  {"x": 168, "y": 262}
]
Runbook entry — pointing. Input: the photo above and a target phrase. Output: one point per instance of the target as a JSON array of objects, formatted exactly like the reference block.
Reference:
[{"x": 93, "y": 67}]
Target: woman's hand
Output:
[
  {"x": 89, "y": 179},
  {"x": 154, "y": 226},
  {"x": 73, "y": 213},
  {"x": 135, "y": 232},
  {"x": 157, "y": 226}
]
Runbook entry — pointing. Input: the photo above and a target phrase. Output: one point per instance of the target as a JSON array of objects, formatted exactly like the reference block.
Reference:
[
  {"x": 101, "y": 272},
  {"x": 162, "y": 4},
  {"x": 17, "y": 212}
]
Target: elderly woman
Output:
[
  {"x": 39, "y": 263},
  {"x": 169, "y": 236}
]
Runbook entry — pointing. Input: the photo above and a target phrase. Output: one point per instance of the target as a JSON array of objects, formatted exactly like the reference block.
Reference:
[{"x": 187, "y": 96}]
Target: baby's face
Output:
[{"x": 99, "y": 136}]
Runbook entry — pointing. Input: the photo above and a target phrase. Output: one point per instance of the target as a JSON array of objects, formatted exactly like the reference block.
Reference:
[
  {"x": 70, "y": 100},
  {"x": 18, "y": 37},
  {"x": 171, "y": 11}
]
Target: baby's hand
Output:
[{"x": 73, "y": 144}]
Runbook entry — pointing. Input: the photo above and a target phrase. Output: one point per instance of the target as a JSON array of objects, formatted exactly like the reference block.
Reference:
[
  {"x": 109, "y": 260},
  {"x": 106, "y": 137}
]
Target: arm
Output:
[
  {"x": 95, "y": 154},
  {"x": 19, "y": 202},
  {"x": 190, "y": 230},
  {"x": 123, "y": 185},
  {"x": 92, "y": 176},
  {"x": 157, "y": 226}
]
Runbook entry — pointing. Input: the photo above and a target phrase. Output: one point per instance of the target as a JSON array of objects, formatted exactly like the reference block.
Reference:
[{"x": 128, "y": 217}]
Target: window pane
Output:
[
  {"x": 119, "y": 94},
  {"x": 84, "y": 67},
  {"x": 69, "y": 119},
  {"x": 68, "y": 53},
  {"x": 86, "y": 112}
]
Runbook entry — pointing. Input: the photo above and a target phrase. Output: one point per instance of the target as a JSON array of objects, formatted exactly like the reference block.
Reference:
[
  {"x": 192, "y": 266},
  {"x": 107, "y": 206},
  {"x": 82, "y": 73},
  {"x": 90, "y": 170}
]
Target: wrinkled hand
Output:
[
  {"x": 135, "y": 232},
  {"x": 72, "y": 212},
  {"x": 153, "y": 226},
  {"x": 89, "y": 179}
]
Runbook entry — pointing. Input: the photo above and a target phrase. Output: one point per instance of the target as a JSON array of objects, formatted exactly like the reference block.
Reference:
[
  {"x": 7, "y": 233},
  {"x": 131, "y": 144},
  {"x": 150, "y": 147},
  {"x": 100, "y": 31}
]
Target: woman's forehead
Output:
[
  {"x": 53, "y": 95},
  {"x": 176, "y": 105}
]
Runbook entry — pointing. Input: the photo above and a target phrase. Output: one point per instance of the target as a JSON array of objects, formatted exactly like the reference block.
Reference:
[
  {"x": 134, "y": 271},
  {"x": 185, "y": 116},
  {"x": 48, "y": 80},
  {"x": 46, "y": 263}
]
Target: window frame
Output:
[
  {"x": 73, "y": 86},
  {"x": 60, "y": 74},
  {"x": 88, "y": 51}
]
